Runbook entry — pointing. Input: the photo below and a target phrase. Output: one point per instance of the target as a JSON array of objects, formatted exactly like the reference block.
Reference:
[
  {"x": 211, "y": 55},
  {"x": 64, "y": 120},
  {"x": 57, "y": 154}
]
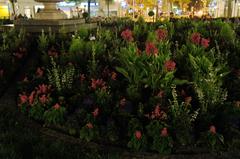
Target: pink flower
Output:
[
  {"x": 23, "y": 98},
  {"x": 160, "y": 94},
  {"x": 195, "y": 38},
  {"x": 114, "y": 76},
  {"x": 31, "y": 98},
  {"x": 1, "y": 72},
  {"x": 43, "y": 99},
  {"x": 151, "y": 49},
  {"x": 42, "y": 89},
  {"x": 164, "y": 132},
  {"x": 89, "y": 125},
  {"x": 138, "y": 134},
  {"x": 56, "y": 106},
  {"x": 212, "y": 129},
  {"x": 52, "y": 52},
  {"x": 188, "y": 100},
  {"x": 18, "y": 55},
  {"x": 205, "y": 42},
  {"x": 39, "y": 72},
  {"x": 95, "y": 112},
  {"x": 99, "y": 83},
  {"x": 25, "y": 79},
  {"x": 161, "y": 34},
  {"x": 170, "y": 65},
  {"x": 157, "y": 111},
  {"x": 122, "y": 102},
  {"x": 127, "y": 35}
]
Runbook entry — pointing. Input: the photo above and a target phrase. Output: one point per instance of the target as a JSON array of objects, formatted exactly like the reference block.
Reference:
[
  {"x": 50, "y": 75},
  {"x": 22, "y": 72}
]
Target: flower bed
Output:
[
  {"x": 13, "y": 50},
  {"x": 151, "y": 87}
]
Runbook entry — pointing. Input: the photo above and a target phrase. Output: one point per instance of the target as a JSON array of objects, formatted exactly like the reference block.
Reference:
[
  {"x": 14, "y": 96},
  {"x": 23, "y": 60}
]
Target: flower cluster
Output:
[
  {"x": 95, "y": 113},
  {"x": 151, "y": 49},
  {"x": 161, "y": 34},
  {"x": 170, "y": 65},
  {"x": 40, "y": 93},
  {"x": 212, "y": 129},
  {"x": 138, "y": 134},
  {"x": 198, "y": 40},
  {"x": 98, "y": 83},
  {"x": 127, "y": 35},
  {"x": 20, "y": 53},
  {"x": 164, "y": 132},
  {"x": 52, "y": 52},
  {"x": 39, "y": 72},
  {"x": 157, "y": 113}
]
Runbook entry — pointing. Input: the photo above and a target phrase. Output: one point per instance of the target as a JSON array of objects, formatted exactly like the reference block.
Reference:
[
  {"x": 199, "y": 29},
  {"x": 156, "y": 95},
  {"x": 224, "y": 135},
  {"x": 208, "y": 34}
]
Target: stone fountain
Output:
[
  {"x": 50, "y": 11},
  {"x": 50, "y": 18}
]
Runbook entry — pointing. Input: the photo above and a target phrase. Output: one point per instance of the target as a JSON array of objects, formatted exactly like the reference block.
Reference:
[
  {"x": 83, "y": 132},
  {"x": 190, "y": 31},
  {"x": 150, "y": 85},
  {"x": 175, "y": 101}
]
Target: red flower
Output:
[
  {"x": 161, "y": 34},
  {"x": 99, "y": 83},
  {"x": 138, "y": 134},
  {"x": 151, "y": 49},
  {"x": 113, "y": 76},
  {"x": 56, "y": 106},
  {"x": 31, "y": 98},
  {"x": 164, "y": 132},
  {"x": 43, "y": 99},
  {"x": 95, "y": 112},
  {"x": 205, "y": 42},
  {"x": 39, "y": 72},
  {"x": 1, "y": 72},
  {"x": 89, "y": 125},
  {"x": 196, "y": 38},
  {"x": 127, "y": 35},
  {"x": 23, "y": 98},
  {"x": 188, "y": 100},
  {"x": 170, "y": 65},
  {"x": 212, "y": 129}
]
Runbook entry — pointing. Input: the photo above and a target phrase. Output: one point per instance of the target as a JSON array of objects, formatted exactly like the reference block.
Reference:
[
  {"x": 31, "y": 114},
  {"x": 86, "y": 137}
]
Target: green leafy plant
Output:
[
  {"x": 182, "y": 119},
  {"x": 213, "y": 139},
  {"x": 36, "y": 112},
  {"x": 208, "y": 78},
  {"x": 137, "y": 141},
  {"x": 43, "y": 42},
  {"x": 162, "y": 142},
  {"x": 54, "y": 115},
  {"x": 89, "y": 132}
]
